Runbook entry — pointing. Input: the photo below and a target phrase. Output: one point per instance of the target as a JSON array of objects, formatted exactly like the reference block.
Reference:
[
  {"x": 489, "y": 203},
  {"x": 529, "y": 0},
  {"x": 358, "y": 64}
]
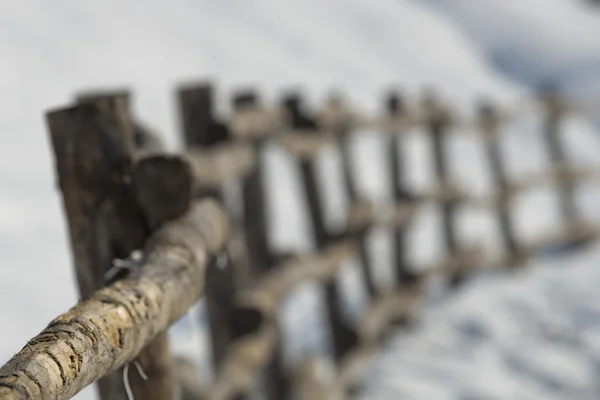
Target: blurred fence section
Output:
[{"x": 151, "y": 233}]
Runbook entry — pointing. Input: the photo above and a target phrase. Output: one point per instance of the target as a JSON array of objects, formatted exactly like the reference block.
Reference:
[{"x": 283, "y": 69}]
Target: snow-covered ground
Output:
[{"x": 470, "y": 347}]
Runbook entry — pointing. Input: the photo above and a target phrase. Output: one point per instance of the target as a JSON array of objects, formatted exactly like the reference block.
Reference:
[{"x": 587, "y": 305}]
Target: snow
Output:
[
  {"x": 466, "y": 49},
  {"x": 527, "y": 336},
  {"x": 535, "y": 41}
]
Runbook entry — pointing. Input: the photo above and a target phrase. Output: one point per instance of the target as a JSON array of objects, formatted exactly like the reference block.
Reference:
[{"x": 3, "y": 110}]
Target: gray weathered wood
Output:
[
  {"x": 490, "y": 121},
  {"x": 94, "y": 147},
  {"x": 342, "y": 337},
  {"x": 554, "y": 114},
  {"x": 199, "y": 124},
  {"x": 340, "y": 121},
  {"x": 110, "y": 328},
  {"x": 274, "y": 379},
  {"x": 145, "y": 140},
  {"x": 396, "y": 109},
  {"x": 438, "y": 123},
  {"x": 205, "y": 163},
  {"x": 156, "y": 358}
]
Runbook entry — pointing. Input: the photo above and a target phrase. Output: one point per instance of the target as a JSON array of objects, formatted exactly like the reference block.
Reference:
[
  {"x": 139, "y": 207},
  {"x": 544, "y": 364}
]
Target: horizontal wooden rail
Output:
[
  {"x": 391, "y": 307},
  {"x": 109, "y": 329},
  {"x": 250, "y": 353}
]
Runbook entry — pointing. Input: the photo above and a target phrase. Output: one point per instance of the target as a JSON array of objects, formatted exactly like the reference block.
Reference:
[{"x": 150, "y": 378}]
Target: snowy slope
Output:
[
  {"x": 49, "y": 50},
  {"x": 530, "y": 336},
  {"x": 536, "y": 41}
]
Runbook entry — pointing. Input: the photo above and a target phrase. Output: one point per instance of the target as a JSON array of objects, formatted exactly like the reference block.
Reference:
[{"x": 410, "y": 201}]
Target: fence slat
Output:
[
  {"x": 438, "y": 124},
  {"x": 208, "y": 163},
  {"x": 490, "y": 120},
  {"x": 395, "y": 110},
  {"x": 554, "y": 115},
  {"x": 345, "y": 141},
  {"x": 274, "y": 379},
  {"x": 94, "y": 148},
  {"x": 342, "y": 338},
  {"x": 110, "y": 328}
]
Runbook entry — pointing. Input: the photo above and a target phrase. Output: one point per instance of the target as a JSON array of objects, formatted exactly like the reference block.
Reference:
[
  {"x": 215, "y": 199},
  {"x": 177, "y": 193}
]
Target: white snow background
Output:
[{"x": 530, "y": 336}]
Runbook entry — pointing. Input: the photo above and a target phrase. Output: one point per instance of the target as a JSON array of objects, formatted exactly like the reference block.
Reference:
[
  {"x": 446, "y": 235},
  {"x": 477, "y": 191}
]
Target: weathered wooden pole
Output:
[
  {"x": 490, "y": 128},
  {"x": 343, "y": 129},
  {"x": 199, "y": 124},
  {"x": 274, "y": 379},
  {"x": 145, "y": 141},
  {"x": 400, "y": 194},
  {"x": 202, "y": 130},
  {"x": 554, "y": 114},
  {"x": 438, "y": 122},
  {"x": 254, "y": 197},
  {"x": 109, "y": 328},
  {"x": 94, "y": 151},
  {"x": 342, "y": 336}
]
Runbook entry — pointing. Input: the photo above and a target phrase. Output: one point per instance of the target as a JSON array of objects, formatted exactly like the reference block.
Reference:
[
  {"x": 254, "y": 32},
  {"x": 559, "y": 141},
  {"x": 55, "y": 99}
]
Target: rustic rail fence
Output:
[{"x": 151, "y": 233}]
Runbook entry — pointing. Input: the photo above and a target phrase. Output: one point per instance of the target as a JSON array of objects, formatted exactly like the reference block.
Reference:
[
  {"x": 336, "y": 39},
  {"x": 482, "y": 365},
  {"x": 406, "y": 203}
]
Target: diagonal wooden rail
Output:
[{"x": 109, "y": 329}]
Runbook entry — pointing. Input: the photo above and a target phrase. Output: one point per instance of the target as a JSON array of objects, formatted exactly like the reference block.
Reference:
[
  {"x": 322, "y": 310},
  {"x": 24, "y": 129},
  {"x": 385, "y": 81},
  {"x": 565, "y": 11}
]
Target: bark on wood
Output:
[
  {"x": 156, "y": 358},
  {"x": 145, "y": 140},
  {"x": 93, "y": 145},
  {"x": 341, "y": 335},
  {"x": 109, "y": 329},
  {"x": 166, "y": 184}
]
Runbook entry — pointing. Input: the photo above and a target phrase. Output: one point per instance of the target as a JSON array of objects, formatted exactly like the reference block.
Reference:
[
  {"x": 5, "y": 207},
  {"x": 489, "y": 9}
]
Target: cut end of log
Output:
[{"x": 163, "y": 187}]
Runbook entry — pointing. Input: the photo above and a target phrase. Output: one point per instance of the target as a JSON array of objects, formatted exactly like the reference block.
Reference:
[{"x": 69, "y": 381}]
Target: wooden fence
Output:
[{"x": 151, "y": 233}]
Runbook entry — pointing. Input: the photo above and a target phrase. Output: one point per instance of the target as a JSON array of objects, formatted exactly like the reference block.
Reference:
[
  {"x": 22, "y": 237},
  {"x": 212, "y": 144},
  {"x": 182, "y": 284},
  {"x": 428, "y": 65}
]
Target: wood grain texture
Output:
[
  {"x": 110, "y": 328},
  {"x": 94, "y": 146}
]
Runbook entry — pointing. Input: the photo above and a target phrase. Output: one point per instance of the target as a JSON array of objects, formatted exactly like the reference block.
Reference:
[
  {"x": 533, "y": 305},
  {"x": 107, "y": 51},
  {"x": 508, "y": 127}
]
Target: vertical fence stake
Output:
[
  {"x": 400, "y": 194},
  {"x": 489, "y": 121},
  {"x": 439, "y": 123},
  {"x": 345, "y": 135},
  {"x": 275, "y": 379},
  {"x": 343, "y": 338},
  {"x": 94, "y": 146},
  {"x": 555, "y": 110},
  {"x": 201, "y": 129}
]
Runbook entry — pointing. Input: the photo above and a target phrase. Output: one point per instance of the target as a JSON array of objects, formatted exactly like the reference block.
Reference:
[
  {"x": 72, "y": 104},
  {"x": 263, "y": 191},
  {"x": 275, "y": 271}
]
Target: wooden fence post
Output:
[
  {"x": 201, "y": 129},
  {"x": 343, "y": 337},
  {"x": 275, "y": 380},
  {"x": 554, "y": 114},
  {"x": 438, "y": 124},
  {"x": 344, "y": 133},
  {"x": 93, "y": 145},
  {"x": 489, "y": 121},
  {"x": 400, "y": 194},
  {"x": 255, "y": 215}
]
